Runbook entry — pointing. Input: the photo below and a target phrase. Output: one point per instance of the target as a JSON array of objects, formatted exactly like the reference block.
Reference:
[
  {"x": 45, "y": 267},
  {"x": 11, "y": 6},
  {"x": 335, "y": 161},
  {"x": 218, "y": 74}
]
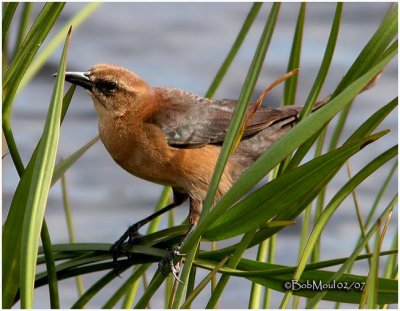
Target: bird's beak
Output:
[{"x": 80, "y": 78}]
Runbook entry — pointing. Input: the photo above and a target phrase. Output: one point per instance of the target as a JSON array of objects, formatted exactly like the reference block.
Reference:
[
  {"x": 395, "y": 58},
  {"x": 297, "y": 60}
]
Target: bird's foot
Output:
[
  {"x": 124, "y": 244},
  {"x": 166, "y": 265}
]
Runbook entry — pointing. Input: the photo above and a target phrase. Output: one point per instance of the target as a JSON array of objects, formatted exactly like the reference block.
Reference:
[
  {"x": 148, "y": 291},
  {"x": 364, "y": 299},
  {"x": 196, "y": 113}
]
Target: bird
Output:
[{"x": 173, "y": 137}]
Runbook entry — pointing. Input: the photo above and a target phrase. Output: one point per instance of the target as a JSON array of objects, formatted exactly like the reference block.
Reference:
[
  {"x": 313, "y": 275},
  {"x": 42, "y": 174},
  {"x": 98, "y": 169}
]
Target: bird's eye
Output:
[{"x": 106, "y": 86}]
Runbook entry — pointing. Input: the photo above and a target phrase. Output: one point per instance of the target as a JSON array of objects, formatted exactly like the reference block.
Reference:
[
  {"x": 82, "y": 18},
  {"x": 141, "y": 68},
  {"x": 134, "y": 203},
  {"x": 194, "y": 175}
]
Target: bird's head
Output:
[{"x": 113, "y": 89}]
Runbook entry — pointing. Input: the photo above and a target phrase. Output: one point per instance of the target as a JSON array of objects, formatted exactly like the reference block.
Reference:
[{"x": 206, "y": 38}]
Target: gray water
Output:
[{"x": 183, "y": 45}]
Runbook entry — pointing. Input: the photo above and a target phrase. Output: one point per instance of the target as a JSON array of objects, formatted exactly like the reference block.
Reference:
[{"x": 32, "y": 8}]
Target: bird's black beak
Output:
[{"x": 80, "y": 78}]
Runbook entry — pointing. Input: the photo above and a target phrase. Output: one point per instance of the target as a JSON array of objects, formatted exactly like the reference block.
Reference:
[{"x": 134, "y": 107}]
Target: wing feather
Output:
[{"x": 191, "y": 121}]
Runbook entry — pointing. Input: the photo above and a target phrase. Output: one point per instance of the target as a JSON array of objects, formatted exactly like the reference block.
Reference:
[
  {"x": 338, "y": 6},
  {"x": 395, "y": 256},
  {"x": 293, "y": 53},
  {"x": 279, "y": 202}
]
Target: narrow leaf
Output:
[{"x": 39, "y": 187}]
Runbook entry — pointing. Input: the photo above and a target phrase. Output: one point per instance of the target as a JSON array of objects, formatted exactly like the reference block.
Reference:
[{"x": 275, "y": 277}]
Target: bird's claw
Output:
[
  {"x": 167, "y": 266},
  {"x": 120, "y": 247}
]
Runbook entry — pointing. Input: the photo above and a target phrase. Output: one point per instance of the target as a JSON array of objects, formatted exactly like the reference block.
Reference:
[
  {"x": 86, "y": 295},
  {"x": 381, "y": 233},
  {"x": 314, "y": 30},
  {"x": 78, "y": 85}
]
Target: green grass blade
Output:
[
  {"x": 72, "y": 268},
  {"x": 70, "y": 227},
  {"x": 350, "y": 260},
  {"x": 84, "y": 253},
  {"x": 39, "y": 188},
  {"x": 369, "y": 297},
  {"x": 23, "y": 24},
  {"x": 339, "y": 127},
  {"x": 391, "y": 47},
  {"x": 51, "y": 269},
  {"x": 202, "y": 284},
  {"x": 333, "y": 205},
  {"x": 318, "y": 83},
  {"x": 303, "y": 238},
  {"x": 372, "y": 51},
  {"x": 255, "y": 294},
  {"x": 12, "y": 146},
  {"x": 294, "y": 191},
  {"x": 326, "y": 62},
  {"x": 155, "y": 283},
  {"x": 20, "y": 63},
  {"x": 65, "y": 164},
  {"x": 191, "y": 282},
  {"x": 67, "y": 210},
  {"x": 387, "y": 291},
  {"x": 79, "y": 270},
  {"x": 365, "y": 129},
  {"x": 374, "y": 270},
  {"x": 93, "y": 290},
  {"x": 164, "y": 199},
  {"x": 10, "y": 137},
  {"x": 357, "y": 208},
  {"x": 274, "y": 276},
  {"x": 289, "y": 93},
  {"x": 392, "y": 260},
  {"x": 111, "y": 302},
  {"x": 381, "y": 192},
  {"x": 373, "y": 121},
  {"x": 25, "y": 54},
  {"x": 232, "y": 263},
  {"x": 371, "y": 124},
  {"x": 376, "y": 255},
  {"x": 270, "y": 260},
  {"x": 7, "y": 19},
  {"x": 130, "y": 296},
  {"x": 252, "y": 268},
  {"x": 303, "y": 150},
  {"x": 56, "y": 41},
  {"x": 320, "y": 200},
  {"x": 259, "y": 272},
  {"x": 251, "y": 16},
  {"x": 11, "y": 237},
  {"x": 66, "y": 101}
]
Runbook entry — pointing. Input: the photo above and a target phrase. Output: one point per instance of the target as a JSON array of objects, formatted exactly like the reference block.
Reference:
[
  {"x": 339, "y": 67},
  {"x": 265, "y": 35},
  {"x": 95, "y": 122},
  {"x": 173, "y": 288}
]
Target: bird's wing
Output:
[{"x": 190, "y": 121}]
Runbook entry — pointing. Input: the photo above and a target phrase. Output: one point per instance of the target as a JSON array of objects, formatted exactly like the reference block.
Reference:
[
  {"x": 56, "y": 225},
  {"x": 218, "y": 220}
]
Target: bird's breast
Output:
[{"x": 141, "y": 150}]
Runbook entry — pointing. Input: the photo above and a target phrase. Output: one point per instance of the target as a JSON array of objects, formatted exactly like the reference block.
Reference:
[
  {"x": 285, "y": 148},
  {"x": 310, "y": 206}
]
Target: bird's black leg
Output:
[
  {"x": 127, "y": 240},
  {"x": 167, "y": 263}
]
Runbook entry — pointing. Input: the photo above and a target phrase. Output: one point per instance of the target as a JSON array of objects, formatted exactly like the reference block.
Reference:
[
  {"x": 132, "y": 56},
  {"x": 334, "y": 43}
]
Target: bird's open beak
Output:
[{"x": 79, "y": 78}]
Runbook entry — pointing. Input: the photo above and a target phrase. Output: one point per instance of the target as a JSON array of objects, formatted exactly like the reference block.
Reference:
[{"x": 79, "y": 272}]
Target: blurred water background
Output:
[{"x": 182, "y": 45}]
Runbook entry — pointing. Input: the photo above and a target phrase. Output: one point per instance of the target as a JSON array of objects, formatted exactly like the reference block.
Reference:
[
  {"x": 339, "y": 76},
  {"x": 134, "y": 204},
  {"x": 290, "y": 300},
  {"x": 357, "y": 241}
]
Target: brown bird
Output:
[{"x": 173, "y": 137}]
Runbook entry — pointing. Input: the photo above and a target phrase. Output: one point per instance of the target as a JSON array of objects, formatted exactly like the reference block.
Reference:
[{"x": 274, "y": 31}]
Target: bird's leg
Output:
[
  {"x": 166, "y": 265},
  {"x": 132, "y": 234}
]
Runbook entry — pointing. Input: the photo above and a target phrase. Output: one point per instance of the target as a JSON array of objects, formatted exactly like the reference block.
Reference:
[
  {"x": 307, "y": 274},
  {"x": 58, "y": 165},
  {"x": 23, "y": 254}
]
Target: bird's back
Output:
[
  {"x": 189, "y": 121},
  {"x": 279, "y": 120}
]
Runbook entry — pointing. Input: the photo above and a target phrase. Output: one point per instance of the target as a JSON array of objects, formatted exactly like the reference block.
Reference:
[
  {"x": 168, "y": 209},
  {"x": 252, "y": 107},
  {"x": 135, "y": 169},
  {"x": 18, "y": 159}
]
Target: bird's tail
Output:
[{"x": 370, "y": 85}]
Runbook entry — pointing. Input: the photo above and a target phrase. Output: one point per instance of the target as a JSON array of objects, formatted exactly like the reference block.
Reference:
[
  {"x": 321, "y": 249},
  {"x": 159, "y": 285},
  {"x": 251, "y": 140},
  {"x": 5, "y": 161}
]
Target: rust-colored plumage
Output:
[{"x": 172, "y": 137}]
